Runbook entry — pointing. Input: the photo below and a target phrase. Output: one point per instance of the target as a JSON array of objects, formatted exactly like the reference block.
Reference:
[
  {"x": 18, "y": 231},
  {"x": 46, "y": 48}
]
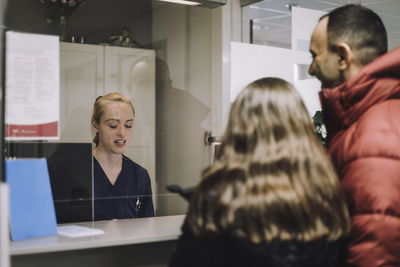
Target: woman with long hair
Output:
[{"x": 271, "y": 198}]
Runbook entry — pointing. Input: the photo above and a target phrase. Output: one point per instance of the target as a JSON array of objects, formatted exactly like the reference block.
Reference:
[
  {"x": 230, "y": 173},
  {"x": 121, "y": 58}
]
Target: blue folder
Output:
[{"x": 32, "y": 211}]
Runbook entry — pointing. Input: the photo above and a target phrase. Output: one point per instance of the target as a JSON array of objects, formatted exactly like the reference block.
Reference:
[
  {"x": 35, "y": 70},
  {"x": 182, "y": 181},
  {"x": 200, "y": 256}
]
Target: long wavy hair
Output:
[
  {"x": 272, "y": 178},
  {"x": 100, "y": 106}
]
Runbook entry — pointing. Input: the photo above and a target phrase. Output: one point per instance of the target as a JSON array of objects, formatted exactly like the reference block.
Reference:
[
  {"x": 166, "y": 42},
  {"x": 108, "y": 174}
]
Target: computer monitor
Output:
[{"x": 71, "y": 175}]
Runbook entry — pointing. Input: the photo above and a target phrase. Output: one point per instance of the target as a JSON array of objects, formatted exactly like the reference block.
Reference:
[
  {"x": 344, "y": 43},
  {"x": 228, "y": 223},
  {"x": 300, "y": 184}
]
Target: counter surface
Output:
[{"x": 116, "y": 232}]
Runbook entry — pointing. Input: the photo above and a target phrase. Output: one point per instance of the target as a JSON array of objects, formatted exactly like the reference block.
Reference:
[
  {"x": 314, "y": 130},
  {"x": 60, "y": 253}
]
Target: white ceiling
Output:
[{"x": 272, "y": 18}]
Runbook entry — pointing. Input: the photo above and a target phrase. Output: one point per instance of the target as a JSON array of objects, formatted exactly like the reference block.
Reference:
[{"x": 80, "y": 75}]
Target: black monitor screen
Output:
[{"x": 70, "y": 169}]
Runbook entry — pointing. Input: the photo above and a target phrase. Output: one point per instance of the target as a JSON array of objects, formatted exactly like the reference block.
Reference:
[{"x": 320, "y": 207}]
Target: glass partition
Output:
[{"x": 157, "y": 54}]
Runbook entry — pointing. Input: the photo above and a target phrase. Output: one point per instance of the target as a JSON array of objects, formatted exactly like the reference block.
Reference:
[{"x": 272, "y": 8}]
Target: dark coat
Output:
[
  {"x": 230, "y": 251},
  {"x": 362, "y": 117}
]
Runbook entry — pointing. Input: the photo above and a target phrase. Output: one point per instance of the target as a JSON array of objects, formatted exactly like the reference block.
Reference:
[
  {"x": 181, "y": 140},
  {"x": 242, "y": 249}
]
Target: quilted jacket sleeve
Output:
[
  {"x": 373, "y": 192},
  {"x": 367, "y": 157}
]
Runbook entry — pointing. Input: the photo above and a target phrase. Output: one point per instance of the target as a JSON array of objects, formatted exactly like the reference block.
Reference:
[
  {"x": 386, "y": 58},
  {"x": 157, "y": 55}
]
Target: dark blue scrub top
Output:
[{"x": 130, "y": 197}]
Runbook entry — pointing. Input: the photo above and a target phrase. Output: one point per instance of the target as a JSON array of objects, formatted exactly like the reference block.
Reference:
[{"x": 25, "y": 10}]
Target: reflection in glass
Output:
[{"x": 179, "y": 138}]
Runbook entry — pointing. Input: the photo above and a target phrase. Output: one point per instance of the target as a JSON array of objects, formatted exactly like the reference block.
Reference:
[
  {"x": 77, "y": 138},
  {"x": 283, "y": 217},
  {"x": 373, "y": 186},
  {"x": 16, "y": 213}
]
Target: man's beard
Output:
[{"x": 330, "y": 83}]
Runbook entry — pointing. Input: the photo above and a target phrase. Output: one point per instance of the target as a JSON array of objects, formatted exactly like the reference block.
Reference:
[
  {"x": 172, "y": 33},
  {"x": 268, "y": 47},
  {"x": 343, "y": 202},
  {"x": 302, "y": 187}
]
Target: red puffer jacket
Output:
[{"x": 362, "y": 117}]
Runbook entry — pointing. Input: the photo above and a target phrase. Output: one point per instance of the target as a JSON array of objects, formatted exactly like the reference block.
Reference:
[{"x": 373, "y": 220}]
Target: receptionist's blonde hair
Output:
[
  {"x": 100, "y": 106},
  {"x": 272, "y": 178}
]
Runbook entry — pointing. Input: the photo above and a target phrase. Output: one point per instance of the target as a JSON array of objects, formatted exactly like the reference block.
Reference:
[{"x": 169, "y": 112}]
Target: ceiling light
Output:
[
  {"x": 260, "y": 27},
  {"x": 256, "y": 27},
  {"x": 289, "y": 6},
  {"x": 183, "y": 2}
]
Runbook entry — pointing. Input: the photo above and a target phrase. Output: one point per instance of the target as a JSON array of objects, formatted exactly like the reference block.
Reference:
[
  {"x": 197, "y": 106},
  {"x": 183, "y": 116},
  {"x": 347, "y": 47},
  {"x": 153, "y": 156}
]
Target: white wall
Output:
[{"x": 250, "y": 62}]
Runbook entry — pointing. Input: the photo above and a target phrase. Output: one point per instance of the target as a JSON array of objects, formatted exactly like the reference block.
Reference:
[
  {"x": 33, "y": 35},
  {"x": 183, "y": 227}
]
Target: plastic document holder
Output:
[{"x": 32, "y": 211}]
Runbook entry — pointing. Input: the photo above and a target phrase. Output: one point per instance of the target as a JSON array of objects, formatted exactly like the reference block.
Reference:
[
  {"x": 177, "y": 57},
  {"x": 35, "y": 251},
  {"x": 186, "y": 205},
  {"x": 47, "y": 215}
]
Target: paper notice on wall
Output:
[{"x": 32, "y": 86}]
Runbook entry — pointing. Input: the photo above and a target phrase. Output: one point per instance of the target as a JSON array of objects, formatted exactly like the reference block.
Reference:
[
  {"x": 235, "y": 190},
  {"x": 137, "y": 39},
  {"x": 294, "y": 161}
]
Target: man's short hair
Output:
[{"x": 359, "y": 27}]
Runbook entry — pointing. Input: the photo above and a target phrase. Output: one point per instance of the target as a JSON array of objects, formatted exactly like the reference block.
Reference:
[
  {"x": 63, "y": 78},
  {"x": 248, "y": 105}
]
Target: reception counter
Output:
[{"x": 130, "y": 242}]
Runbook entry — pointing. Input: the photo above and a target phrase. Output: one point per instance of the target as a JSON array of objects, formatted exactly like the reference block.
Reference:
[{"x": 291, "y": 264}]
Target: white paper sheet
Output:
[{"x": 78, "y": 231}]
